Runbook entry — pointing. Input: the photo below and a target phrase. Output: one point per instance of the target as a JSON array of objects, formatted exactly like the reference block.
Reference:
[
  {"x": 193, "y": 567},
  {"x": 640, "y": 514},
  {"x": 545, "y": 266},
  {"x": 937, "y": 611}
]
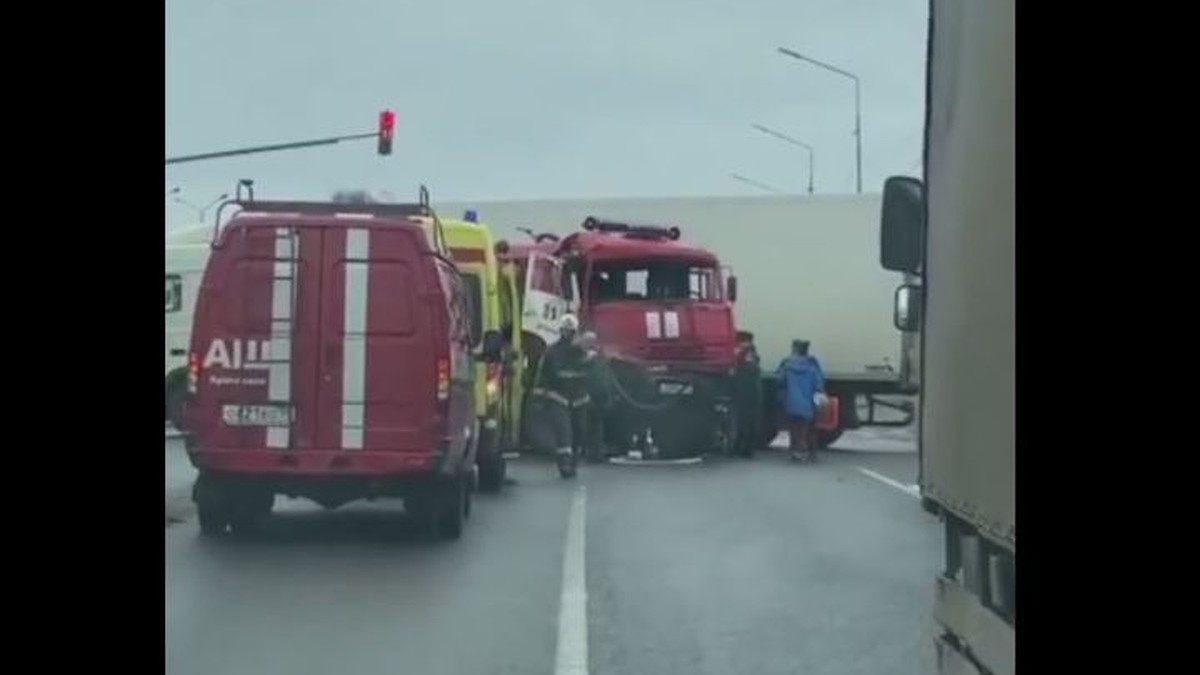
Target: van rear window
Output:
[{"x": 474, "y": 287}]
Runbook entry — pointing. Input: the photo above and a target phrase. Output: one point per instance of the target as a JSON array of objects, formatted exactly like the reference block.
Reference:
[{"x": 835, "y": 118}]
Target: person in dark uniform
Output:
[
  {"x": 749, "y": 395},
  {"x": 561, "y": 383}
]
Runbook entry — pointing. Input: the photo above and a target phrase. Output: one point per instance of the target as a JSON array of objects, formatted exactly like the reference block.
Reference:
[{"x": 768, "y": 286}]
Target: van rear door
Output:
[
  {"x": 254, "y": 338},
  {"x": 313, "y": 335},
  {"x": 377, "y": 381}
]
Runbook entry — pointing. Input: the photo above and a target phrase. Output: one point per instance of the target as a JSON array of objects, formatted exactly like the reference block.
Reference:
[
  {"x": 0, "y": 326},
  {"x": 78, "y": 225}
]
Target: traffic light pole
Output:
[{"x": 270, "y": 148}]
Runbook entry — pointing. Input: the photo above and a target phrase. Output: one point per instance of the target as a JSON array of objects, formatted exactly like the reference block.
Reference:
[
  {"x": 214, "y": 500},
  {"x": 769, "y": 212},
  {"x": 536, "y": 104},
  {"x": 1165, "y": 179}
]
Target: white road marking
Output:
[
  {"x": 626, "y": 461},
  {"x": 572, "y": 654},
  {"x": 912, "y": 490}
]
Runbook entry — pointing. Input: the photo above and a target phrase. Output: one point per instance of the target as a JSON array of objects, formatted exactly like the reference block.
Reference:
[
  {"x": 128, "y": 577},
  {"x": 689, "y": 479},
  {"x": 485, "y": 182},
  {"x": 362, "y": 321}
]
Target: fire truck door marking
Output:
[
  {"x": 653, "y": 325},
  {"x": 671, "y": 324},
  {"x": 354, "y": 369},
  {"x": 279, "y": 369}
]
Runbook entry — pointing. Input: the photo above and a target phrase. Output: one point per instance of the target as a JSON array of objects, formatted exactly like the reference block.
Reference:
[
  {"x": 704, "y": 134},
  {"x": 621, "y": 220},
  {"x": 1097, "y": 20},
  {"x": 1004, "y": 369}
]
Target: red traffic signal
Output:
[{"x": 387, "y": 128}]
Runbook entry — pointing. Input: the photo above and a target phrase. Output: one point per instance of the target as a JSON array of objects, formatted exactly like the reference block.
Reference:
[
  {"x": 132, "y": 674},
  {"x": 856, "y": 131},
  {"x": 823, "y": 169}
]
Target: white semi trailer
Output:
[
  {"x": 186, "y": 253},
  {"x": 956, "y": 235}
]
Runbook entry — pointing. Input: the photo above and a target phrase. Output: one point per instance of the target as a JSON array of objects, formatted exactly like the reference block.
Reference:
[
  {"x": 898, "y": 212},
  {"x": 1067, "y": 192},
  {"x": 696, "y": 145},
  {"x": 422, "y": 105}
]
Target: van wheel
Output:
[
  {"x": 175, "y": 396},
  {"x": 456, "y": 506},
  {"x": 442, "y": 508},
  {"x": 212, "y": 507},
  {"x": 246, "y": 519},
  {"x": 212, "y": 517}
]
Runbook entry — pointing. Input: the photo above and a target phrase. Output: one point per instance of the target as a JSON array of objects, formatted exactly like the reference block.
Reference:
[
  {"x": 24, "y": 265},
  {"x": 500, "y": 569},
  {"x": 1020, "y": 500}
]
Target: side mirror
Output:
[
  {"x": 907, "y": 312},
  {"x": 493, "y": 346},
  {"x": 902, "y": 225},
  {"x": 731, "y": 289}
]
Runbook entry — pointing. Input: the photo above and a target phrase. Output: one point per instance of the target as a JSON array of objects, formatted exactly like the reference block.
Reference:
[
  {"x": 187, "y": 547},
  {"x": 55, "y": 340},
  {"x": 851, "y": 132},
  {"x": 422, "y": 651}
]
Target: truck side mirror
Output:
[
  {"x": 902, "y": 225},
  {"x": 731, "y": 289},
  {"x": 907, "y": 315},
  {"x": 493, "y": 346}
]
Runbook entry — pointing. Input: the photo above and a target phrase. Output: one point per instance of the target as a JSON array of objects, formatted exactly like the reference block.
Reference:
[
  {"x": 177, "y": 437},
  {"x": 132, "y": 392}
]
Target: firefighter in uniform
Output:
[
  {"x": 561, "y": 383},
  {"x": 749, "y": 395}
]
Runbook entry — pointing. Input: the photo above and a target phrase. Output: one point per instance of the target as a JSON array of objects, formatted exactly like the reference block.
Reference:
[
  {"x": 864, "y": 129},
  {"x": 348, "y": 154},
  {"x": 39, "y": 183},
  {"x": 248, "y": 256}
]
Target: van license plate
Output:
[
  {"x": 256, "y": 415},
  {"x": 674, "y": 388}
]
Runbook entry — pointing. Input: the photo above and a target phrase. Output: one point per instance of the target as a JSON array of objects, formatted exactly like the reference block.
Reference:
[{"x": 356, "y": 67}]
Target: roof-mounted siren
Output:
[
  {"x": 592, "y": 224},
  {"x": 471, "y": 216}
]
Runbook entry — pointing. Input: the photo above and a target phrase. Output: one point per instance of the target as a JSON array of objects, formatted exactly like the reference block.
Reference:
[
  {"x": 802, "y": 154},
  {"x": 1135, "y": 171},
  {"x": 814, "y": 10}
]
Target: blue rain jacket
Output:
[{"x": 800, "y": 378}]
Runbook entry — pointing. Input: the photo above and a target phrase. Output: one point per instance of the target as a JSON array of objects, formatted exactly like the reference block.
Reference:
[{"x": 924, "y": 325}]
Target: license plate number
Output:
[
  {"x": 674, "y": 388},
  {"x": 256, "y": 415}
]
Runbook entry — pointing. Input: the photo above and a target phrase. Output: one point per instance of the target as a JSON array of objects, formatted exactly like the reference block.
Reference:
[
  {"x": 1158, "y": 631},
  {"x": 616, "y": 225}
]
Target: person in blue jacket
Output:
[{"x": 800, "y": 382}]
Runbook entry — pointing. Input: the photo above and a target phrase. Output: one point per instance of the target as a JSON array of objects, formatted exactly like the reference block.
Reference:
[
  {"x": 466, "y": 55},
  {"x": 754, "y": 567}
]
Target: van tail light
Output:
[
  {"x": 443, "y": 380},
  {"x": 193, "y": 373},
  {"x": 493, "y": 382}
]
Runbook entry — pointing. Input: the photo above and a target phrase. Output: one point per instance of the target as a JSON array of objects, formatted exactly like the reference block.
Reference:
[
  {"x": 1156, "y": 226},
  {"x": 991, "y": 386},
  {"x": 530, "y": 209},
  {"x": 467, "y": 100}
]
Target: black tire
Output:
[
  {"x": 212, "y": 518},
  {"x": 455, "y": 507},
  {"x": 828, "y": 438},
  {"x": 492, "y": 472},
  {"x": 252, "y": 508},
  {"x": 176, "y": 394},
  {"x": 441, "y": 509},
  {"x": 212, "y": 506}
]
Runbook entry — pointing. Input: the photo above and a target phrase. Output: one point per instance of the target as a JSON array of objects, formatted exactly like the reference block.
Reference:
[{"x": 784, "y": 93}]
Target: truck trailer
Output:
[{"x": 954, "y": 235}]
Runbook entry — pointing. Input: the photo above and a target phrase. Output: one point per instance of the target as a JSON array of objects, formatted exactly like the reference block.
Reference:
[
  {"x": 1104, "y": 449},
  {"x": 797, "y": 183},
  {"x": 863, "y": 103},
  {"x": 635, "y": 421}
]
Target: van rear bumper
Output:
[{"x": 262, "y": 461}]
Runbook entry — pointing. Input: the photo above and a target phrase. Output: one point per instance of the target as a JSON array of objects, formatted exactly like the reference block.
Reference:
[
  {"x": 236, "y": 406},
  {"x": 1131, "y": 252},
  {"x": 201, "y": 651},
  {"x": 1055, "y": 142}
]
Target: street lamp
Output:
[
  {"x": 200, "y": 210},
  {"x": 751, "y": 181},
  {"x": 789, "y": 139},
  {"x": 857, "y": 106}
]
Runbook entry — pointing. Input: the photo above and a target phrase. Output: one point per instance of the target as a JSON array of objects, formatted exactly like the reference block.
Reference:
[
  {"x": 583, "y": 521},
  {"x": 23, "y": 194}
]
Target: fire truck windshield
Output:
[{"x": 665, "y": 279}]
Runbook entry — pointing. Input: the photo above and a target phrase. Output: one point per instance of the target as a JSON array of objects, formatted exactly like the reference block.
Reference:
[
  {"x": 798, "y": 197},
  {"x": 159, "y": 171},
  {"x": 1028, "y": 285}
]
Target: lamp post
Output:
[
  {"x": 857, "y": 106},
  {"x": 200, "y": 210},
  {"x": 789, "y": 139},
  {"x": 752, "y": 182}
]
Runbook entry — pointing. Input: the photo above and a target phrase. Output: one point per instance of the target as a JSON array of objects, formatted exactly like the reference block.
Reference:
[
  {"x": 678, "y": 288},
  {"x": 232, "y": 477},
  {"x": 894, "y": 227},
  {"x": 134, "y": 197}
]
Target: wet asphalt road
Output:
[{"x": 732, "y": 567}]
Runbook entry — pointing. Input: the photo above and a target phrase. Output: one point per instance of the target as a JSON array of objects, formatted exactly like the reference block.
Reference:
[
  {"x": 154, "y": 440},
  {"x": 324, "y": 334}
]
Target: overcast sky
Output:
[{"x": 540, "y": 98}]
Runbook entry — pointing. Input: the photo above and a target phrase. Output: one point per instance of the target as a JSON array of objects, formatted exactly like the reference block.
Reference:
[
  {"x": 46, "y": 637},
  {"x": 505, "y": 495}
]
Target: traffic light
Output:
[{"x": 387, "y": 127}]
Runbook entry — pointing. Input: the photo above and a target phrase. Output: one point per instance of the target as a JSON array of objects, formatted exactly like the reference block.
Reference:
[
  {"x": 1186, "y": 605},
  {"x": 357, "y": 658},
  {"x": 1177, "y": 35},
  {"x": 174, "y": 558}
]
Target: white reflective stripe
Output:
[
  {"x": 653, "y": 325},
  {"x": 279, "y": 374},
  {"x": 671, "y": 324},
  {"x": 354, "y": 361}
]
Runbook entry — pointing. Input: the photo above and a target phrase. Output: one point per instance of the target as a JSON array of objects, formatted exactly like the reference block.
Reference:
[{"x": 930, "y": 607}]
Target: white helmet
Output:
[{"x": 568, "y": 324}]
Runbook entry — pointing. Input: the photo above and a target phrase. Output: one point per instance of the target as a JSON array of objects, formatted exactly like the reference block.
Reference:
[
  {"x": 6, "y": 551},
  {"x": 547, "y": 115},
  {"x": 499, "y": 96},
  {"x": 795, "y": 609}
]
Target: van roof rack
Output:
[{"x": 384, "y": 209}]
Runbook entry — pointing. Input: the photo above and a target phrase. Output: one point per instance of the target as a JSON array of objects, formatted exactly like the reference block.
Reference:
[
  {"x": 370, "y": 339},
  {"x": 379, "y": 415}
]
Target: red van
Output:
[{"x": 331, "y": 359}]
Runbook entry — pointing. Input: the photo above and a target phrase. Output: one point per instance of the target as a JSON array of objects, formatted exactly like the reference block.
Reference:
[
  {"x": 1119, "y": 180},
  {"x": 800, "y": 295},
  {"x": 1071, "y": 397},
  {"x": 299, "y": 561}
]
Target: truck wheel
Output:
[
  {"x": 176, "y": 393},
  {"x": 828, "y": 438}
]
